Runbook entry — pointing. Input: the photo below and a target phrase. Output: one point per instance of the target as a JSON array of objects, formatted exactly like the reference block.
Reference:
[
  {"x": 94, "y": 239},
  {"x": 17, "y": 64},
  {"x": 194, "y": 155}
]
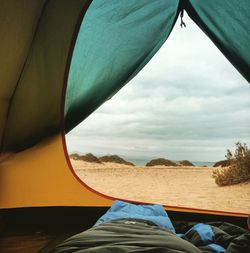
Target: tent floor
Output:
[
  {"x": 38, "y": 229},
  {"x": 24, "y": 243}
]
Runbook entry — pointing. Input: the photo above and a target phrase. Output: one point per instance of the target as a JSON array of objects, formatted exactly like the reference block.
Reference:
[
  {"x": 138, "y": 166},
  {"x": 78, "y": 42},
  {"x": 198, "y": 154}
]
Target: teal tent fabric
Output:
[
  {"x": 227, "y": 24},
  {"x": 116, "y": 40}
]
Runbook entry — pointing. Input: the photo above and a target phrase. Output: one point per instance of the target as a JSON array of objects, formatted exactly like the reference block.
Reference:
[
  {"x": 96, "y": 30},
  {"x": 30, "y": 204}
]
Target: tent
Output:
[{"x": 60, "y": 60}]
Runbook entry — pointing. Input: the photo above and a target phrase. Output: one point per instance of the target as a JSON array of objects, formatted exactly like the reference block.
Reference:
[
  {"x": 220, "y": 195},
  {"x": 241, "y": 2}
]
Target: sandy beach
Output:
[{"x": 191, "y": 187}]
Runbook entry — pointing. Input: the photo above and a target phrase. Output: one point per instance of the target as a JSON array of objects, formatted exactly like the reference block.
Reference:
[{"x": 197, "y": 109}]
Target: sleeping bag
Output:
[{"x": 130, "y": 228}]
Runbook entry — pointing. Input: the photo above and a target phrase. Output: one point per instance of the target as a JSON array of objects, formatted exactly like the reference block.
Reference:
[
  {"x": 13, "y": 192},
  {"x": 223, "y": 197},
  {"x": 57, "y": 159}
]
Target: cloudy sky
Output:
[{"x": 187, "y": 103}]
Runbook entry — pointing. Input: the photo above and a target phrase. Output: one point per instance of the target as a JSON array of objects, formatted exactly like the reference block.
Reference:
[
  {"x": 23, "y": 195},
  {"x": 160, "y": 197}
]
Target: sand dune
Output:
[{"x": 178, "y": 186}]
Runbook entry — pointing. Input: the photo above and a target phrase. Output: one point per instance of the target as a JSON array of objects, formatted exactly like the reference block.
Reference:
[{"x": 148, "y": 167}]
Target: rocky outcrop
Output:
[
  {"x": 185, "y": 163},
  {"x": 90, "y": 158},
  {"x": 160, "y": 161},
  {"x": 114, "y": 159},
  {"x": 74, "y": 156}
]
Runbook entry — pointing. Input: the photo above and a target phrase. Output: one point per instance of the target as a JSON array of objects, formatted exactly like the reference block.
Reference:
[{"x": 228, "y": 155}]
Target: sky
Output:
[{"x": 188, "y": 103}]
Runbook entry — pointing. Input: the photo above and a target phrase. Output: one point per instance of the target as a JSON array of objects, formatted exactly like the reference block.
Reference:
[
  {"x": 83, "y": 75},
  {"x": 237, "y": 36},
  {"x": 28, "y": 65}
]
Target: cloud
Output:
[{"x": 187, "y": 103}]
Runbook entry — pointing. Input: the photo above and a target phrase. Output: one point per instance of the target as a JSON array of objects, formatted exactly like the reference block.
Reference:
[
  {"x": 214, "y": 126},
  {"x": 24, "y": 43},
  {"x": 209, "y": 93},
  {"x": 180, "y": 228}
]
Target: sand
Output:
[{"x": 191, "y": 187}]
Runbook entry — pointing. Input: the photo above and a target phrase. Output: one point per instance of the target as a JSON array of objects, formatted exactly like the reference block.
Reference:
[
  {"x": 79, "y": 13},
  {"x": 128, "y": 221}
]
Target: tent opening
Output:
[{"x": 188, "y": 105}]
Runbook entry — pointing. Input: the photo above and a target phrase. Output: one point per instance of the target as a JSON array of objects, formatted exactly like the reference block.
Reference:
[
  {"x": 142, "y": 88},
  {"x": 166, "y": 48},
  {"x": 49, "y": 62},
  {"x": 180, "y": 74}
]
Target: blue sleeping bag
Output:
[
  {"x": 124, "y": 210},
  {"x": 128, "y": 228}
]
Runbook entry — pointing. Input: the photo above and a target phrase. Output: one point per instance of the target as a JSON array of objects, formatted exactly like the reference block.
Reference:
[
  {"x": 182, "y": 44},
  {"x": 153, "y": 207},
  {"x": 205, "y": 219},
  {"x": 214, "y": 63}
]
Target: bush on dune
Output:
[
  {"x": 160, "y": 161},
  {"x": 114, "y": 159},
  {"x": 238, "y": 170}
]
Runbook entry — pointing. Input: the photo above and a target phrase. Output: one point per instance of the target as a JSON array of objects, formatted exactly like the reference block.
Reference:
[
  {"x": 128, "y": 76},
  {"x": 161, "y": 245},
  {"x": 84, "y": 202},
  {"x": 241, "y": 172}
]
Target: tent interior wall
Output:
[{"x": 41, "y": 198}]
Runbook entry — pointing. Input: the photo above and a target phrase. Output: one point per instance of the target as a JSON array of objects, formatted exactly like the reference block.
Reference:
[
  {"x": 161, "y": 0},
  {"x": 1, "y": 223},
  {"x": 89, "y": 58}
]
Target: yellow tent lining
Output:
[{"x": 42, "y": 176}]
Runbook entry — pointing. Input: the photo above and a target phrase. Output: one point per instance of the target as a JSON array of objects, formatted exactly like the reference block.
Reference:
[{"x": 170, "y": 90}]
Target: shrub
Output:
[
  {"x": 238, "y": 170},
  {"x": 114, "y": 159}
]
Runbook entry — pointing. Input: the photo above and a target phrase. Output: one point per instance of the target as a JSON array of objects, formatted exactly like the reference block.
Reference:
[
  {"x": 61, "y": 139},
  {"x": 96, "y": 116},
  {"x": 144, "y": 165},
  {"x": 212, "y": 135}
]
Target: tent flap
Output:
[
  {"x": 116, "y": 40},
  {"x": 227, "y": 24}
]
